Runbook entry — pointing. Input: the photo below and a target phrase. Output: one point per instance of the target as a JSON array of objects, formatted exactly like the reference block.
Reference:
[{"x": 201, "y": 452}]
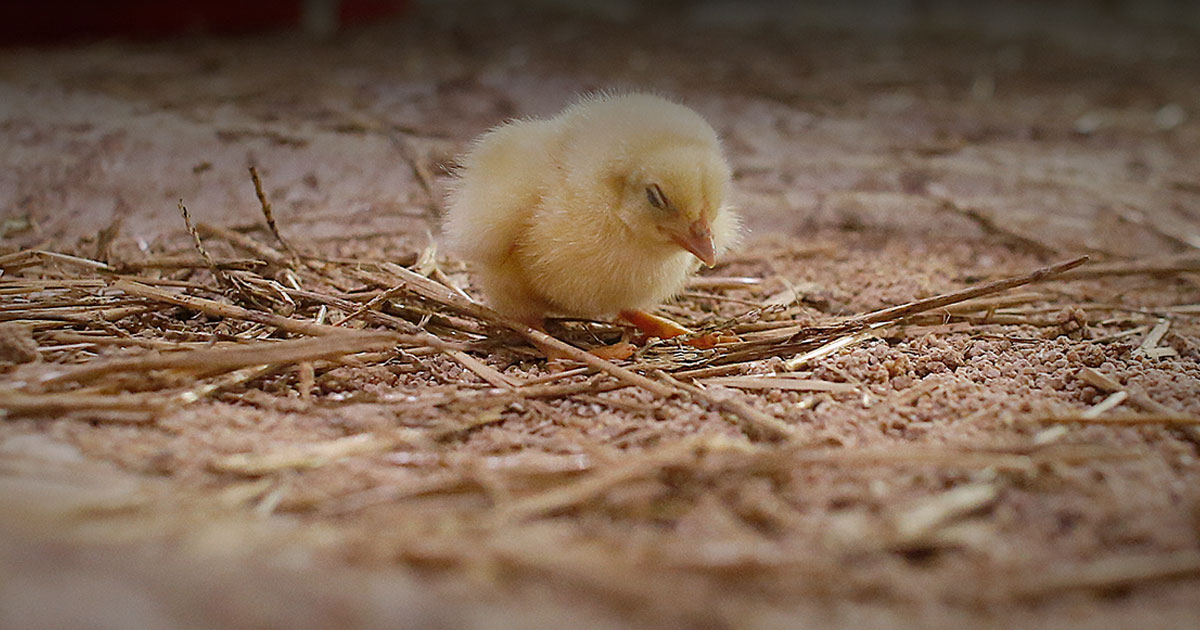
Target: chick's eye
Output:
[{"x": 655, "y": 196}]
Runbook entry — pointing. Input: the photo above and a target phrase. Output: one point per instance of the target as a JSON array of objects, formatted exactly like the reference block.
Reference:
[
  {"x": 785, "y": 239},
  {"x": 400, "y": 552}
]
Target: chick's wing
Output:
[{"x": 500, "y": 185}]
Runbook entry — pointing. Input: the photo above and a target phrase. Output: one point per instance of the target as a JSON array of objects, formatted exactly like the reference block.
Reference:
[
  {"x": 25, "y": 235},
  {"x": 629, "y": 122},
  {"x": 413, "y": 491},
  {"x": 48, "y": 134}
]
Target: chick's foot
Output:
[
  {"x": 616, "y": 352},
  {"x": 654, "y": 326}
]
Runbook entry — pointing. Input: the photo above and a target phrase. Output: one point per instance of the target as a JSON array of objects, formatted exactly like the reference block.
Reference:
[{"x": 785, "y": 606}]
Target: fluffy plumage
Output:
[{"x": 606, "y": 207}]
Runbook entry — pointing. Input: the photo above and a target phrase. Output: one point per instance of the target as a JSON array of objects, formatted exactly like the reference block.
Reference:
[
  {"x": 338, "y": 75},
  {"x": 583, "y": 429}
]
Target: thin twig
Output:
[
  {"x": 23, "y": 404},
  {"x": 946, "y": 299},
  {"x": 302, "y": 456},
  {"x": 270, "y": 216},
  {"x": 758, "y": 424},
  {"x": 486, "y": 372},
  {"x": 371, "y": 305},
  {"x": 220, "y": 309},
  {"x": 217, "y": 272},
  {"x": 1156, "y": 267},
  {"x": 209, "y": 360},
  {"x": 1112, "y": 572},
  {"x": 780, "y": 383},
  {"x": 1171, "y": 419},
  {"x": 1102, "y": 381},
  {"x": 596, "y": 484}
]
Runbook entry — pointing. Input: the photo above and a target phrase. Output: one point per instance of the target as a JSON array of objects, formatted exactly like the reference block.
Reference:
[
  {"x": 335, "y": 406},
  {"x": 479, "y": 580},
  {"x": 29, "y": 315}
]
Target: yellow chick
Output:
[{"x": 604, "y": 209}]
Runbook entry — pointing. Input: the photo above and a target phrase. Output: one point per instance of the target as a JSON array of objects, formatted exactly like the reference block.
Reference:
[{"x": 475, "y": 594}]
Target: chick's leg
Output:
[
  {"x": 539, "y": 324},
  {"x": 511, "y": 293},
  {"x": 663, "y": 328}
]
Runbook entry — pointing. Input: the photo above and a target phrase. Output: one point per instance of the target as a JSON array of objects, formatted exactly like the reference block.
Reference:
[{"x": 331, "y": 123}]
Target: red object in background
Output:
[{"x": 59, "y": 21}]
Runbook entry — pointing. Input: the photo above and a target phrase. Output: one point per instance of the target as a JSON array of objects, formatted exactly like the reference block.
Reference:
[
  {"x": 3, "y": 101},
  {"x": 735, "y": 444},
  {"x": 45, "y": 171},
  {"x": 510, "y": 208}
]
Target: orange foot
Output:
[
  {"x": 663, "y": 328},
  {"x": 616, "y": 352}
]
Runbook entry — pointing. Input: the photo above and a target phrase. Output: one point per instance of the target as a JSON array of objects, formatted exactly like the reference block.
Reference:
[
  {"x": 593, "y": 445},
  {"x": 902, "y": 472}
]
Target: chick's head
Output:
[{"x": 674, "y": 196}]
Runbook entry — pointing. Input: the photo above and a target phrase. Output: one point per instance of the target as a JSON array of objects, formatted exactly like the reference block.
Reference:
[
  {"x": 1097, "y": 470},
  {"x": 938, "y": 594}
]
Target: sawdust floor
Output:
[{"x": 926, "y": 490}]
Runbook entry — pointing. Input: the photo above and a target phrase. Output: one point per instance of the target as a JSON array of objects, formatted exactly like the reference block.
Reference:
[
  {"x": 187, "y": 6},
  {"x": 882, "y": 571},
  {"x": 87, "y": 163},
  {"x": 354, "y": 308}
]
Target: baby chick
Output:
[{"x": 604, "y": 209}]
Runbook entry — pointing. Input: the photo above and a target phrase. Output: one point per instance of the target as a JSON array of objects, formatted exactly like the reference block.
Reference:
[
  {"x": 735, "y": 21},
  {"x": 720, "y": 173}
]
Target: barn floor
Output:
[{"x": 969, "y": 466}]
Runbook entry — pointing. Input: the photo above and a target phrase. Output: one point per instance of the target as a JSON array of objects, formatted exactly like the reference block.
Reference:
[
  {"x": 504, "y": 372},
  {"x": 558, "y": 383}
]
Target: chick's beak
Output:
[{"x": 698, "y": 240}]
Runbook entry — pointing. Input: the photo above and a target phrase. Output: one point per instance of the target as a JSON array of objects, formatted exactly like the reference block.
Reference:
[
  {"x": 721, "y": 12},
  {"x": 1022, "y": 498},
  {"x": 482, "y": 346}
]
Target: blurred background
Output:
[
  {"x": 1071, "y": 118},
  {"x": 65, "y": 21}
]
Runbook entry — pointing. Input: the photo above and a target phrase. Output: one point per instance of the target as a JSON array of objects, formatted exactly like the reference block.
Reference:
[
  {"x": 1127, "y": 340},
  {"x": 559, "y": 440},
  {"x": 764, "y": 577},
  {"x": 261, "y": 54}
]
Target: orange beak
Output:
[{"x": 699, "y": 241}]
